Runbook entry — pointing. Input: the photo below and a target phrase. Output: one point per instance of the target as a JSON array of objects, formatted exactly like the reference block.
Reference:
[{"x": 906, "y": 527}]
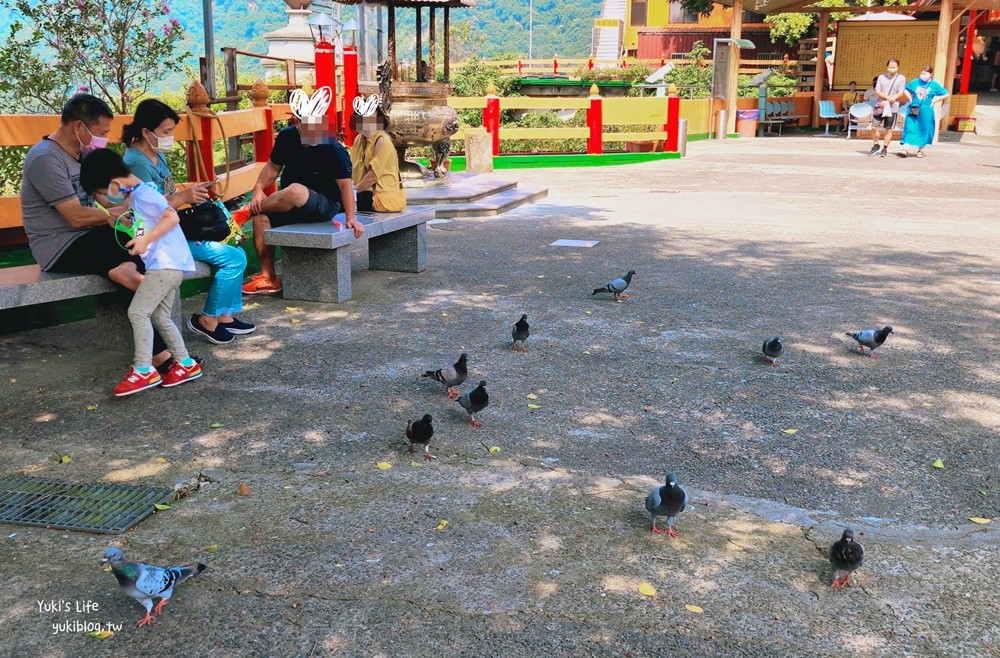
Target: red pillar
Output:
[
  {"x": 624, "y": 64},
  {"x": 590, "y": 64},
  {"x": 673, "y": 122},
  {"x": 205, "y": 145},
  {"x": 263, "y": 141},
  {"x": 595, "y": 121},
  {"x": 555, "y": 65},
  {"x": 967, "y": 58},
  {"x": 350, "y": 90},
  {"x": 491, "y": 120},
  {"x": 519, "y": 67},
  {"x": 326, "y": 76}
]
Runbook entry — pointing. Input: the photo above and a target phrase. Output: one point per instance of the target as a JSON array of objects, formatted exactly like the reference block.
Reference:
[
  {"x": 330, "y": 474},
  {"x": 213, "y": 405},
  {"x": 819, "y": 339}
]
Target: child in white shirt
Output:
[{"x": 160, "y": 242}]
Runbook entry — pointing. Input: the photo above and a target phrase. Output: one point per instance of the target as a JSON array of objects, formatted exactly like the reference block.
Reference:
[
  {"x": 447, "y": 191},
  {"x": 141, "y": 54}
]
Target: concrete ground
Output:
[{"x": 547, "y": 540}]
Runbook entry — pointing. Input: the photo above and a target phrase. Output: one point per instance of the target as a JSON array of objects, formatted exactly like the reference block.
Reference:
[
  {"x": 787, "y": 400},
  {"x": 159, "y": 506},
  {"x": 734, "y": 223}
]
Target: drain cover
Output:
[{"x": 76, "y": 506}]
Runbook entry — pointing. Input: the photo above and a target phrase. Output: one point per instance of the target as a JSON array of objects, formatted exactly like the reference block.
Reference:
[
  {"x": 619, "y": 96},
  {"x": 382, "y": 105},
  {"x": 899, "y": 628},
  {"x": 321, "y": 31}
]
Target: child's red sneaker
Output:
[
  {"x": 179, "y": 374},
  {"x": 135, "y": 381}
]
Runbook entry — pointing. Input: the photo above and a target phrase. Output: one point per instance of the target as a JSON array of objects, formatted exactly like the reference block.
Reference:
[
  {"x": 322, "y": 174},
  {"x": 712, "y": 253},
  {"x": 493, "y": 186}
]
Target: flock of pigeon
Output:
[{"x": 145, "y": 582}]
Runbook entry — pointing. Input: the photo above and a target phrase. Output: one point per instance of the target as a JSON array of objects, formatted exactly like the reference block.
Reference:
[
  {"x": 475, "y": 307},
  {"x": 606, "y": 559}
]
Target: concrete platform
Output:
[{"x": 474, "y": 195}]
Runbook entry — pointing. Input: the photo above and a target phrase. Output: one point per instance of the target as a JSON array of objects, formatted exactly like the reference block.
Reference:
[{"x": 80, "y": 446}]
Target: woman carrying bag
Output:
[
  {"x": 923, "y": 93},
  {"x": 147, "y": 138}
]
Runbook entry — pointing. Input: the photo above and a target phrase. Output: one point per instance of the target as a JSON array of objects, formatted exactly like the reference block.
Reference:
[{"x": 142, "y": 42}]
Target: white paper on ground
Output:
[{"x": 574, "y": 243}]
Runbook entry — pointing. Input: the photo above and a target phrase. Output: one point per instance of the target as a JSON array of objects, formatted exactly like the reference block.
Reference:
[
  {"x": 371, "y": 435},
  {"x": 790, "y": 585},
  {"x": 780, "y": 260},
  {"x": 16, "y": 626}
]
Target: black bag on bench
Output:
[{"x": 204, "y": 222}]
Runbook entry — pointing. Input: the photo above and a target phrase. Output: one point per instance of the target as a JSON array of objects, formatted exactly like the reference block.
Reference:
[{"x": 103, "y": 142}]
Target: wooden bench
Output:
[
  {"x": 316, "y": 258},
  {"x": 27, "y": 285}
]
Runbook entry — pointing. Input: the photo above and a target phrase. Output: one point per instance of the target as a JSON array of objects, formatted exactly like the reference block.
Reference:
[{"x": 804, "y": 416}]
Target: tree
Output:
[
  {"x": 792, "y": 27},
  {"x": 113, "y": 49}
]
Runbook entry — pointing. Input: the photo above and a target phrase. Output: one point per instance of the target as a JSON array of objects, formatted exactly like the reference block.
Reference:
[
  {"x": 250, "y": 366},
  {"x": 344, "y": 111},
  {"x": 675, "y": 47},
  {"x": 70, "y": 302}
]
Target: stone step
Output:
[
  {"x": 494, "y": 204},
  {"x": 463, "y": 188}
]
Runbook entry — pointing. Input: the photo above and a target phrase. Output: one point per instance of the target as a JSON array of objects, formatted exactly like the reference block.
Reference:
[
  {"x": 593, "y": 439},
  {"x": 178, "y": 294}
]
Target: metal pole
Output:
[
  {"x": 362, "y": 41},
  {"x": 378, "y": 34},
  {"x": 447, "y": 45},
  {"x": 206, "y": 13},
  {"x": 531, "y": 26},
  {"x": 391, "y": 16}
]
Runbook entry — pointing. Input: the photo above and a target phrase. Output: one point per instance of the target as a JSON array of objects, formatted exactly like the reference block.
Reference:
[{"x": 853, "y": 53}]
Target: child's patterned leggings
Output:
[{"x": 150, "y": 308}]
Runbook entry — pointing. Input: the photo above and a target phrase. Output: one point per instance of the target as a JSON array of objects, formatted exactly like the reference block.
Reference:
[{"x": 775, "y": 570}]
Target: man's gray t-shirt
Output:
[
  {"x": 890, "y": 87},
  {"x": 51, "y": 176}
]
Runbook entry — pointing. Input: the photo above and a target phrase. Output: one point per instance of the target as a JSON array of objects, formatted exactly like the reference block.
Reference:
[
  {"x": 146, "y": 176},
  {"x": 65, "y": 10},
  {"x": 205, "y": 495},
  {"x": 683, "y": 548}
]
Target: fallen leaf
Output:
[
  {"x": 647, "y": 590},
  {"x": 296, "y": 321},
  {"x": 926, "y": 404},
  {"x": 697, "y": 609},
  {"x": 91, "y": 407},
  {"x": 938, "y": 463},
  {"x": 443, "y": 313},
  {"x": 532, "y": 396},
  {"x": 65, "y": 459},
  {"x": 586, "y": 351},
  {"x": 829, "y": 289},
  {"x": 216, "y": 426},
  {"x": 292, "y": 309},
  {"x": 789, "y": 431},
  {"x": 161, "y": 506},
  {"x": 254, "y": 305},
  {"x": 338, "y": 566},
  {"x": 442, "y": 525},
  {"x": 534, "y": 406},
  {"x": 540, "y": 276},
  {"x": 108, "y": 569},
  {"x": 13, "y": 380},
  {"x": 383, "y": 466},
  {"x": 494, "y": 449},
  {"x": 242, "y": 490},
  {"x": 213, "y": 548},
  {"x": 415, "y": 464},
  {"x": 980, "y": 520},
  {"x": 984, "y": 493},
  {"x": 160, "y": 460},
  {"x": 587, "y": 312},
  {"x": 101, "y": 635},
  {"x": 355, "y": 316}
]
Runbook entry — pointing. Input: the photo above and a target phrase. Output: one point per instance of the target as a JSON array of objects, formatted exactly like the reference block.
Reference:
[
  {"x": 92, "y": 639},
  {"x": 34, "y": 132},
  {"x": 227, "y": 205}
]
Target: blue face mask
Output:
[{"x": 119, "y": 199}]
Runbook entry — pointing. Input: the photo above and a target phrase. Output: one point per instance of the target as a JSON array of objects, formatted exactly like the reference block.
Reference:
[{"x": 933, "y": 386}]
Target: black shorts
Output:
[
  {"x": 317, "y": 209},
  {"x": 884, "y": 122},
  {"x": 95, "y": 252}
]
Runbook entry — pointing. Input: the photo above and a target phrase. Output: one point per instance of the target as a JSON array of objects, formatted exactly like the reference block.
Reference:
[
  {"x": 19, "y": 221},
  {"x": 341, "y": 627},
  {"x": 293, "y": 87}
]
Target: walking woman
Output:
[
  {"x": 923, "y": 93},
  {"x": 147, "y": 138}
]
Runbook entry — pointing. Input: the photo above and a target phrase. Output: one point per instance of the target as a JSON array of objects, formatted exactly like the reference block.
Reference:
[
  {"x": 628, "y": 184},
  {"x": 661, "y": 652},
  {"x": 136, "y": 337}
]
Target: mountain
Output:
[{"x": 497, "y": 28}]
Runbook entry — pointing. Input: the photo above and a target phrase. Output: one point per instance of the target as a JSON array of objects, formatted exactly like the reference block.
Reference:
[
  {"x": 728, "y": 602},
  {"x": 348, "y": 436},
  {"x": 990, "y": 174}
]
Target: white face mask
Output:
[
  {"x": 163, "y": 144},
  {"x": 892, "y": 71},
  {"x": 926, "y": 77}
]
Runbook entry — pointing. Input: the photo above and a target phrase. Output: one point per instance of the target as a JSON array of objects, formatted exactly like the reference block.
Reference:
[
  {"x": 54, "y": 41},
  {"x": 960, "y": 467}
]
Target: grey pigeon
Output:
[
  {"x": 144, "y": 582},
  {"x": 520, "y": 333},
  {"x": 475, "y": 401},
  {"x": 669, "y": 501},
  {"x": 773, "y": 349},
  {"x": 419, "y": 432},
  {"x": 846, "y": 555},
  {"x": 617, "y": 286},
  {"x": 451, "y": 376},
  {"x": 870, "y": 338}
]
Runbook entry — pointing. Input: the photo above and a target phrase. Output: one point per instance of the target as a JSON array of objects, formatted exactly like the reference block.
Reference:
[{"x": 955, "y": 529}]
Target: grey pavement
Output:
[{"x": 547, "y": 540}]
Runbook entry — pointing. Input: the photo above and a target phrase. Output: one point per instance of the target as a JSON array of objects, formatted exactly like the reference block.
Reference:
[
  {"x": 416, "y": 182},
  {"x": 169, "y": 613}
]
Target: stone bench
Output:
[
  {"x": 28, "y": 284},
  {"x": 316, "y": 258}
]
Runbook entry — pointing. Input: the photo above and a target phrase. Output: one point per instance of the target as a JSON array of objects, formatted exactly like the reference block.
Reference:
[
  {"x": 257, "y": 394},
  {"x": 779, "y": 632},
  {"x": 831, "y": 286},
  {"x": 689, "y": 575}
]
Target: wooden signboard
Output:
[{"x": 863, "y": 47}]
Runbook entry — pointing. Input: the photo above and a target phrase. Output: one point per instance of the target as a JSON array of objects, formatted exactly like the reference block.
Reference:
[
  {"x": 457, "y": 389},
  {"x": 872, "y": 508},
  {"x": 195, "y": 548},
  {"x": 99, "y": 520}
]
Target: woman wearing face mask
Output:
[
  {"x": 922, "y": 93},
  {"x": 889, "y": 88},
  {"x": 148, "y": 138},
  {"x": 375, "y": 169}
]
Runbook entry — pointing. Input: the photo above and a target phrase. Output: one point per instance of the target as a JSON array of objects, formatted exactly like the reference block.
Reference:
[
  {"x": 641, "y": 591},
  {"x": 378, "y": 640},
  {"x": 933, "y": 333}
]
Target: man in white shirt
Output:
[{"x": 889, "y": 88}]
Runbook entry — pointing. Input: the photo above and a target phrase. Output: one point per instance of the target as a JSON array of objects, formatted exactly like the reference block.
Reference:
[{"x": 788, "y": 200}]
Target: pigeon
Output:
[
  {"x": 870, "y": 338},
  {"x": 773, "y": 349},
  {"x": 475, "y": 401},
  {"x": 668, "y": 501},
  {"x": 144, "y": 582},
  {"x": 617, "y": 286},
  {"x": 520, "y": 334},
  {"x": 451, "y": 376},
  {"x": 846, "y": 555},
  {"x": 419, "y": 432}
]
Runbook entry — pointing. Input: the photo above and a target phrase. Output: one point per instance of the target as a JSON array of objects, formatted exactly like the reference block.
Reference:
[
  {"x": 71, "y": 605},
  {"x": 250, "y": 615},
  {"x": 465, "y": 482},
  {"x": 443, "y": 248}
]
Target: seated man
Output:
[
  {"x": 316, "y": 184},
  {"x": 850, "y": 98},
  {"x": 66, "y": 231}
]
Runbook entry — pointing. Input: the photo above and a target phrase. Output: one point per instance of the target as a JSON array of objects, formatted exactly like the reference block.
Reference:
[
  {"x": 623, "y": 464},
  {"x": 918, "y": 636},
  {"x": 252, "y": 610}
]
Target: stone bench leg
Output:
[
  {"x": 399, "y": 251},
  {"x": 316, "y": 275}
]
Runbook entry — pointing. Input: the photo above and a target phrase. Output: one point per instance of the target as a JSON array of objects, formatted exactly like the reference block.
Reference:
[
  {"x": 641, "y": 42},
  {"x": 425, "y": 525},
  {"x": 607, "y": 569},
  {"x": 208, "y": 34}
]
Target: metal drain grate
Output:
[{"x": 74, "y": 506}]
